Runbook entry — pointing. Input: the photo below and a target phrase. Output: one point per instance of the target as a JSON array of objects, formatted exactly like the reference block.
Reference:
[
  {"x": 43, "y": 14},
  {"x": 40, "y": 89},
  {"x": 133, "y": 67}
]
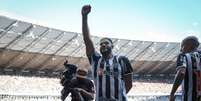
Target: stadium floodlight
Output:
[
  {"x": 10, "y": 32},
  {"x": 49, "y": 30},
  {"x": 167, "y": 44},
  {"x": 15, "y": 24},
  {"x": 75, "y": 41},
  {"x": 130, "y": 43},
  {"x": 78, "y": 35},
  {"x": 117, "y": 47},
  {"x": 34, "y": 26},
  {"x": 31, "y": 35},
  {"x": 19, "y": 33},
  {"x": 153, "y": 49},
  {"x": 58, "y": 41},
  {"x": 64, "y": 33},
  {"x": 44, "y": 38}
]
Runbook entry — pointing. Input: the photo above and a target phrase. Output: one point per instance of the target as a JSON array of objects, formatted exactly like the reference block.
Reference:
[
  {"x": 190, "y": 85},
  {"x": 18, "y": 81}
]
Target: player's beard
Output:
[{"x": 106, "y": 52}]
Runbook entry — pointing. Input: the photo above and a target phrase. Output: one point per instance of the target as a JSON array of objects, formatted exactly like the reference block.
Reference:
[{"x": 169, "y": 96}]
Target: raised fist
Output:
[{"x": 86, "y": 9}]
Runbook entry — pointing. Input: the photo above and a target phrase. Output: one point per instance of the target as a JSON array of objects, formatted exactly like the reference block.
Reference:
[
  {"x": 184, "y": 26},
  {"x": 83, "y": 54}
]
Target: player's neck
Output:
[{"x": 108, "y": 56}]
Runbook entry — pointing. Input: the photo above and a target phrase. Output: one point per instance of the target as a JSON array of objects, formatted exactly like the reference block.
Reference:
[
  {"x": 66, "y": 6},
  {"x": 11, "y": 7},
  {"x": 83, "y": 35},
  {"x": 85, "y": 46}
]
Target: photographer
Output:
[
  {"x": 68, "y": 73},
  {"x": 81, "y": 88}
]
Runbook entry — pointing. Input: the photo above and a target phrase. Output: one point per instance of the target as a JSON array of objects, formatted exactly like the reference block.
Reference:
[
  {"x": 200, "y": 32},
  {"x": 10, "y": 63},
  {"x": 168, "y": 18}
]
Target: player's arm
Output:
[
  {"x": 85, "y": 30},
  {"x": 128, "y": 81},
  {"x": 88, "y": 95},
  {"x": 128, "y": 75},
  {"x": 177, "y": 82}
]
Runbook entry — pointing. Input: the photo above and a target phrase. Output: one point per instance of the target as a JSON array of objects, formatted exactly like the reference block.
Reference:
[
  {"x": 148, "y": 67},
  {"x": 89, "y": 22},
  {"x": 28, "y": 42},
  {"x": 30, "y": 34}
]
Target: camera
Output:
[{"x": 67, "y": 76}]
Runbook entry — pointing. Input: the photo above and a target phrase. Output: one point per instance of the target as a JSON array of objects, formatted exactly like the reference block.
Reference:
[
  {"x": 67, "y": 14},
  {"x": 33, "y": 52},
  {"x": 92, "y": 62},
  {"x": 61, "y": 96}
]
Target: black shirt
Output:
[{"x": 83, "y": 83}]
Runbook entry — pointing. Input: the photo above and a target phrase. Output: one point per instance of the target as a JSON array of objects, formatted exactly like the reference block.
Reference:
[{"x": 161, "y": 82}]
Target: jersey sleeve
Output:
[
  {"x": 126, "y": 65},
  {"x": 181, "y": 62},
  {"x": 94, "y": 57}
]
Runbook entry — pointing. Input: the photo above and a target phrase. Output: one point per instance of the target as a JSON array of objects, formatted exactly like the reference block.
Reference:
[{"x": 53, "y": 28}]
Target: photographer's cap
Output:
[{"x": 82, "y": 72}]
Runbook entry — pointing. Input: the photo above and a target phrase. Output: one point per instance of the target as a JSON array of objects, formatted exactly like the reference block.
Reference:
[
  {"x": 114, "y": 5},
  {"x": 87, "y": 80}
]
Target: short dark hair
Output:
[
  {"x": 194, "y": 40},
  {"x": 107, "y": 39}
]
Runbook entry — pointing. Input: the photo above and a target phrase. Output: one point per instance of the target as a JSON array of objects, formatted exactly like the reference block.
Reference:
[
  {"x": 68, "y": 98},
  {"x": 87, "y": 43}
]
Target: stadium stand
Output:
[
  {"x": 32, "y": 56},
  {"x": 48, "y": 89}
]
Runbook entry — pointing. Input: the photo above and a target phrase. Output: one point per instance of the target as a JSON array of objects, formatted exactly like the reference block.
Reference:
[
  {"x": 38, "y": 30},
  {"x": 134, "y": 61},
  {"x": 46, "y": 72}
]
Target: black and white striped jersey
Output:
[
  {"x": 192, "y": 80},
  {"x": 107, "y": 75}
]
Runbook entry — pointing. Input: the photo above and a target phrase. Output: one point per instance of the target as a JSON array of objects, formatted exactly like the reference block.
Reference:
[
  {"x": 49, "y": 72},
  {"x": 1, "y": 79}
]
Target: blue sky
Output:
[{"x": 150, "y": 20}]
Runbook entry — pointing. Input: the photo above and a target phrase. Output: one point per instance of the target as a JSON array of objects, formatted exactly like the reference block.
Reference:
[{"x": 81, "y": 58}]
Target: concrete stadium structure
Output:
[{"x": 26, "y": 47}]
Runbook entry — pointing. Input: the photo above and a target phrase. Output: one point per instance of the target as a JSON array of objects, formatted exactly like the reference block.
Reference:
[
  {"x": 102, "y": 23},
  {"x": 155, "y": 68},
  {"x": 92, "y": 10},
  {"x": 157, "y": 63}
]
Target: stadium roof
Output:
[{"x": 26, "y": 46}]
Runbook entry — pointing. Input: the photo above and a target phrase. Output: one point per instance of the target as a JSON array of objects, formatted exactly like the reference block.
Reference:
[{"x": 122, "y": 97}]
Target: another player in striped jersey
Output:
[{"x": 188, "y": 71}]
